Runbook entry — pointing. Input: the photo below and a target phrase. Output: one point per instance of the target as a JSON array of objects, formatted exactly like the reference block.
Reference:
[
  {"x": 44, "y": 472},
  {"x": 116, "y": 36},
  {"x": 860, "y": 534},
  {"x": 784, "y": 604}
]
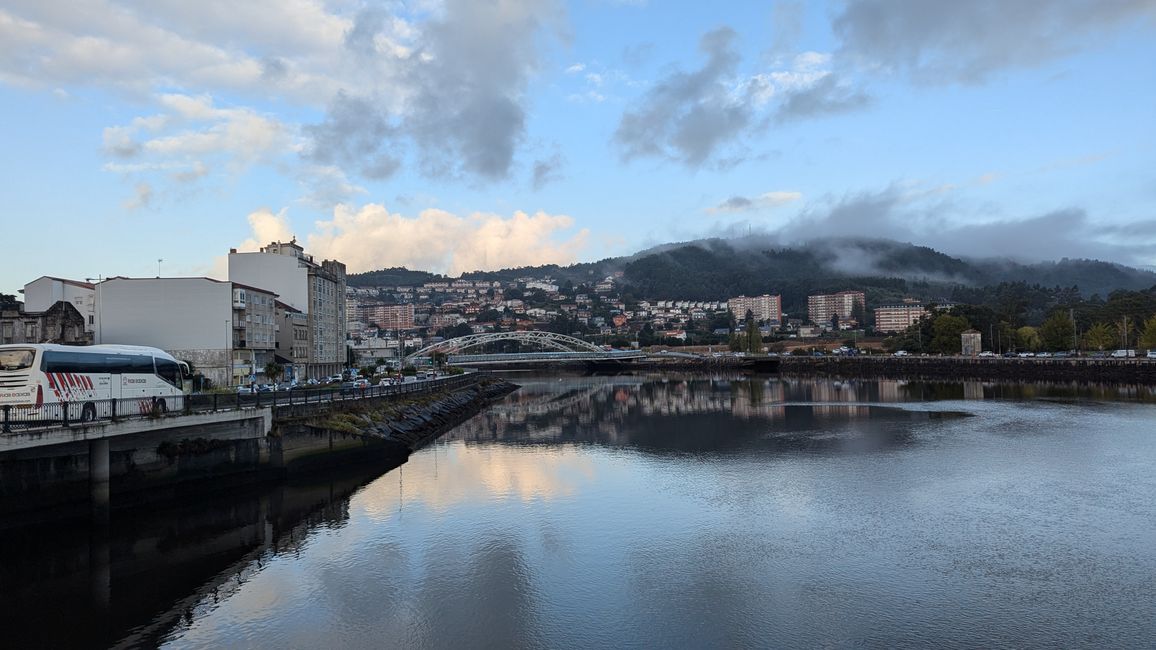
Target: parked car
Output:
[
  {"x": 361, "y": 382},
  {"x": 244, "y": 390},
  {"x": 1044, "y": 354},
  {"x": 1151, "y": 354},
  {"x": 1124, "y": 354},
  {"x": 900, "y": 353},
  {"x": 987, "y": 353}
]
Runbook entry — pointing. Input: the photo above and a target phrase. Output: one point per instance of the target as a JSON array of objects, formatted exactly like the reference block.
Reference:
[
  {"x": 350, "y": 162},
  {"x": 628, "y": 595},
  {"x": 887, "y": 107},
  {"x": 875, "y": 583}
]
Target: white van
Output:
[{"x": 1124, "y": 354}]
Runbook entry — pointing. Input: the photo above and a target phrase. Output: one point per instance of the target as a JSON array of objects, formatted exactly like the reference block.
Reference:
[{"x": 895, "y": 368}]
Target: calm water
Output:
[{"x": 650, "y": 512}]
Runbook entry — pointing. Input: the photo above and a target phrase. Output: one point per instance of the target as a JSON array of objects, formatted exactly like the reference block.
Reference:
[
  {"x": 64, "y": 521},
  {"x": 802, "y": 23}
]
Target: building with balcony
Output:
[
  {"x": 388, "y": 317},
  {"x": 822, "y": 308},
  {"x": 315, "y": 289},
  {"x": 292, "y": 344},
  {"x": 227, "y": 330},
  {"x": 765, "y": 308},
  {"x": 896, "y": 318}
]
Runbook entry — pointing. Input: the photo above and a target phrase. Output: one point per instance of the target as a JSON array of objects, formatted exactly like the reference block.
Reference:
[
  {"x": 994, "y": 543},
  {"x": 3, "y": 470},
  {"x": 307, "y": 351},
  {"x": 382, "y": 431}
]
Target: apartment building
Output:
[
  {"x": 226, "y": 329},
  {"x": 45, "y": 291},
  {"x": 896, "y": 318},
  {"x": 315, "y": 289},
  {"x": 292, "y": 345},
  {"x": 823, "y": 307},
  {"x": 766, "y": 308}
]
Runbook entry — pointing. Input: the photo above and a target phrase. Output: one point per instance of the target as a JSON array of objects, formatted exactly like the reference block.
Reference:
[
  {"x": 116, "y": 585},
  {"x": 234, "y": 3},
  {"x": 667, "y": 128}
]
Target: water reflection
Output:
[
  {"x": 700, "y": 415},
  {"x": 148, "y": 573},
  {"x": 656, "y": 512}
]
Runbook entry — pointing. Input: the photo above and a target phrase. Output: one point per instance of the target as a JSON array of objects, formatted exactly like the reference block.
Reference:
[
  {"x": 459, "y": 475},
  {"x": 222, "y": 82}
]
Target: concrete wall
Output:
[{"x": 281, "y": 274}]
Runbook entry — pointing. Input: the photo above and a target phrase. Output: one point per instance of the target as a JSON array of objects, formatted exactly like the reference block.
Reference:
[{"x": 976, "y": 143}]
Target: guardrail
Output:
[{"x": 67, "y": 414}]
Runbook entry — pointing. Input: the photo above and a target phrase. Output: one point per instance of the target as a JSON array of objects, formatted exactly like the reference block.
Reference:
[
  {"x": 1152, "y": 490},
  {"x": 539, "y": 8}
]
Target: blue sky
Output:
[{"x": 461, "y": 134}]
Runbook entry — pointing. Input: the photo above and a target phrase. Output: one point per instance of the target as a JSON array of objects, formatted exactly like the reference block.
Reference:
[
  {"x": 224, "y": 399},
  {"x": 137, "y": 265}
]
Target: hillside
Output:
[{"x": 715, "y": 269}]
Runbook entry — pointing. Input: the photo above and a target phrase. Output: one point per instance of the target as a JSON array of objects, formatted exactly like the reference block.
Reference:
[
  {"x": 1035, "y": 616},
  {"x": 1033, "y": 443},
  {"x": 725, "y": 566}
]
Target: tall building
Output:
[
  {"x": 388, "y": 317},
  {"x": 821, "y": 308},
  {"x": 226, "y": 329},
  {"x": 896, "y": 318},
  {"x": 764, "y": 308},
  {"x": 315, "y": 289}
]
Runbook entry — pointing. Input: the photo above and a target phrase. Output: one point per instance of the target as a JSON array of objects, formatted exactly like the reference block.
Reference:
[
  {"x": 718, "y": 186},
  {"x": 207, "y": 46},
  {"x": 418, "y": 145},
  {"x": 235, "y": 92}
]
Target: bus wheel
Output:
[
  {"x": 88, "y": 413},
  {"x": 161, "y": 406}
]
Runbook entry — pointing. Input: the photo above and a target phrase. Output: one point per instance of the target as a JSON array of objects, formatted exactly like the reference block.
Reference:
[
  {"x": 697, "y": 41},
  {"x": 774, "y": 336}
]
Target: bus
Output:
[{"x": 43, "y": 381}]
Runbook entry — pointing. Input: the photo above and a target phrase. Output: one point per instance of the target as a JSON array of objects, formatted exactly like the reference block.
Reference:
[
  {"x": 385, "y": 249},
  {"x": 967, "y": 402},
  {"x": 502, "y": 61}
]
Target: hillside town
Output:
[{"x": 283, "y": 312}]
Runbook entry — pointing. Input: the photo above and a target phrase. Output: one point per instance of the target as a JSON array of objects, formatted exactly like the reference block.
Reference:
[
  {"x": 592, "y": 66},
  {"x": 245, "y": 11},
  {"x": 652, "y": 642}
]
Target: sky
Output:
[{"x": 151, "y": 136}]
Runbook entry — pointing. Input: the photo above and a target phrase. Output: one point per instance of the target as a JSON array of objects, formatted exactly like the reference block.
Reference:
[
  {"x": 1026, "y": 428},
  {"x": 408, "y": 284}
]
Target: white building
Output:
[
  {"x": 46, "y": 291},
  {"x": 764, "y": 308},
  {"x": 317, "y": 290},
  {"x": 227, "y": 330}
]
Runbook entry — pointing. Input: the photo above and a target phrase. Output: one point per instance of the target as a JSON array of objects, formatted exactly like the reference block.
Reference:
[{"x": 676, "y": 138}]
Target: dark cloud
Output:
[
  {"x": 460, "y": 89},
  {"x": 735, "y": 204},
  {"x": 356, "y": 134},
  {"x": 547, "y": 171},
  {"x": 689, "y": 116},
  {"x": 966, "y": 41},
  {"x": 925, "y": 216},
  {"x": 827, "y": 96},
  {"x": 361, "y": 37}
]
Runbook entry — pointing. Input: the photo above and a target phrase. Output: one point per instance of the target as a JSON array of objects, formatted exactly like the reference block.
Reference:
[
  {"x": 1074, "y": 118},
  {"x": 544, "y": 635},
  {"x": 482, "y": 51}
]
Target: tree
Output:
[
  {"x": 273, "y": 371},
  {"x": 946, "y": 331},
  {"x": 754, "y": 341},
  {"x": 1027, "y": 338},
  {"x": 1057, "y": 331},
  {"x": 1148, "y": 337},
  {"x": 1100, "y": 336}
]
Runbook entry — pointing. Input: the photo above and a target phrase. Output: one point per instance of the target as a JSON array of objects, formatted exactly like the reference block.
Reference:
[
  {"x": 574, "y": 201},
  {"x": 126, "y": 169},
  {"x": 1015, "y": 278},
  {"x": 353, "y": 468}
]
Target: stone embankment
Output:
[
  {"x": 1092, "y": 371},
  {"x": 409, "y": 424}
]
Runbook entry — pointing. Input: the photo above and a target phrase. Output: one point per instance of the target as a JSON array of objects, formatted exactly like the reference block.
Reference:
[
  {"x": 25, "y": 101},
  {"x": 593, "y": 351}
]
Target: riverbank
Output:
[
  {"x": 148, "y": 468},
  {"x": 1085, "y": 371}
]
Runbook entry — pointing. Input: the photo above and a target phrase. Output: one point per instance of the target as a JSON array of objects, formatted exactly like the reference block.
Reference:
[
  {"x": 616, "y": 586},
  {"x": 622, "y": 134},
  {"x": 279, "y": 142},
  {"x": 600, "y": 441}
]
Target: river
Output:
[{"x": 658, "y": 512}]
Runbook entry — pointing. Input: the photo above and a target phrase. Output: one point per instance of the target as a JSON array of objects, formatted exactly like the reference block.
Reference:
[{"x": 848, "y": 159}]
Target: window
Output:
[
  {"x": 55, "y": 361},
  {"x": 18, "y": 359},
  {"x": 169, "y": 371}
]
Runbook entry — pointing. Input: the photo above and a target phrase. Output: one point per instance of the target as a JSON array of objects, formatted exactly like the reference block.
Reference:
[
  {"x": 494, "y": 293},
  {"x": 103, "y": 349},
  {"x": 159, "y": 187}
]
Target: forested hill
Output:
[
  {"x": 393, "y": 277},
  {"x": 715, "y": 269}
]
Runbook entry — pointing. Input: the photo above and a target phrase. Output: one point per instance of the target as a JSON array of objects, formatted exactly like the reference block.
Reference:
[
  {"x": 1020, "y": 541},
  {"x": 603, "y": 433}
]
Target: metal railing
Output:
[{"x": 15, "y": 418}]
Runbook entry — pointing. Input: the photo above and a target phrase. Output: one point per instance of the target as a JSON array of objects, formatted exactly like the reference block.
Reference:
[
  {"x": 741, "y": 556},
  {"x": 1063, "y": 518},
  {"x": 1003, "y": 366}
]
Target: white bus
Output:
[{"x": 36, "y": 378}]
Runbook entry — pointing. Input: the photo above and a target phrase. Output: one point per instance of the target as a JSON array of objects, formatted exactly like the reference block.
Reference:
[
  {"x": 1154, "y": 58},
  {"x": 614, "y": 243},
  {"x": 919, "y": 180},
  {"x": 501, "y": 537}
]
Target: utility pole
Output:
[{"x": 1072, "y": 315}]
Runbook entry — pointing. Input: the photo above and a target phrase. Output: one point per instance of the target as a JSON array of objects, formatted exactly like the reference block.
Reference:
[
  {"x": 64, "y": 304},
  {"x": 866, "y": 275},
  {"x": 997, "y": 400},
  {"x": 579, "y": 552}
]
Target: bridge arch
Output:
[{"x": 559, "y": 342}]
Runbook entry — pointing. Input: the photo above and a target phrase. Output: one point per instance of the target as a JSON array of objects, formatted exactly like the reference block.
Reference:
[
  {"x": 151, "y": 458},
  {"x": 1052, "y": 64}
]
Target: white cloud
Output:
[
  {"x": 371, "y": 237},
  {"x": 576, "y": 68}
]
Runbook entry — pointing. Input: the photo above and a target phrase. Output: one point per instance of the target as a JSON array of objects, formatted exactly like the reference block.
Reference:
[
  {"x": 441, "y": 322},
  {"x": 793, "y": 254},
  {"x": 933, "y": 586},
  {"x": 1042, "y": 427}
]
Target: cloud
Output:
[
  {"x": 743, "y": 204},
  {"x": 141, "y": 199},
  {"x": 826, "y": 96},
  {"x": 371, "y": 237},
  {"x": 547, "y": 171},
  {"x": 457, "y": 100},
  {"x": 786, "y": 26},
  {"x": 943, "y": 42},
  {"x": 932, "y": 216},
  {"x": 689, "y": 116}
]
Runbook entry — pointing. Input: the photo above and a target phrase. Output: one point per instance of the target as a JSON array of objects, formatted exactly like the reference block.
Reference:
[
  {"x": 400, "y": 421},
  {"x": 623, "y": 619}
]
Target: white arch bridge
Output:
[{"x": 556, "y": 348}]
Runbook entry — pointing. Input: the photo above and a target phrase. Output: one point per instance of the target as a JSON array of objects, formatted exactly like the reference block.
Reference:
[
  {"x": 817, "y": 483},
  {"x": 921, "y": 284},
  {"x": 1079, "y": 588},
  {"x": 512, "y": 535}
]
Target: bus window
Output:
[
  {"x": 16, "y": 359},
  {"x": 169, "y": 371}
]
